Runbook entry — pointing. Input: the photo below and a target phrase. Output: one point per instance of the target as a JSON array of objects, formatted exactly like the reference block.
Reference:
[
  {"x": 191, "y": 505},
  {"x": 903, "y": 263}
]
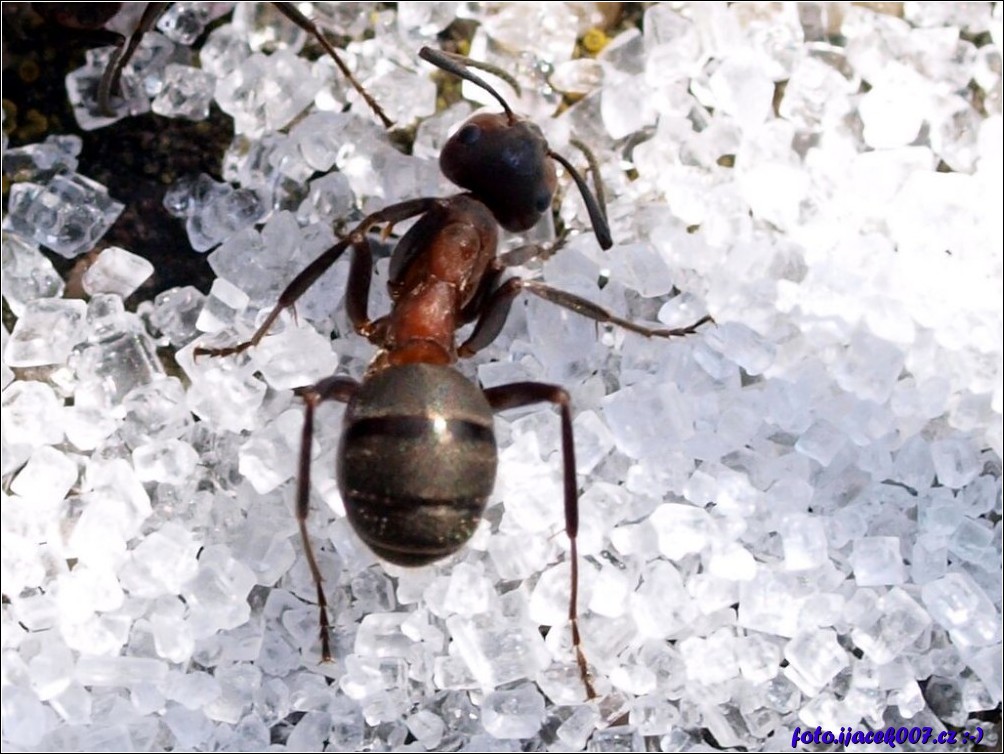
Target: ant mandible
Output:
[{"x": 431, "y": 427}]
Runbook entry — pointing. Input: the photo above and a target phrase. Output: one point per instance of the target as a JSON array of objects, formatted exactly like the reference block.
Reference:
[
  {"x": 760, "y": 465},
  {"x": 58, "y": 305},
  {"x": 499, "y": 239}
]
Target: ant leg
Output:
[
  {"x": 522, "y": 254},
  {"x": 592, "y": 311},
  {"x": 357, "y": 294},
  {"x": 523, "y": 394},
  {"x": 497, "y": 309},
  {"x": 113, "y": 73},
  {"x": 310, "y": 274},
  {"x": 290, "y": 11},
  {"x": 331, "y": 389},
  {"x": 489, "y": 282}
]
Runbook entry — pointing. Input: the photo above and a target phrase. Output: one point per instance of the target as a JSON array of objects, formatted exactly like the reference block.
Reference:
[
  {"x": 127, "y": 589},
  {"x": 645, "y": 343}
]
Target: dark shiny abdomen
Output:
[{"x": 417, "y": 462}]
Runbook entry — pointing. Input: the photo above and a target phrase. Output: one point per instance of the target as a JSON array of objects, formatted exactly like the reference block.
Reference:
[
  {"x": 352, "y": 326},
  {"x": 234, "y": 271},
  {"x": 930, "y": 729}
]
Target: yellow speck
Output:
[
  {"x": 29, "y": 71},
  {"x": 10, "y": 115},
  {"x": 33, "y": 126},
  {"x": 595, "y": 40}
]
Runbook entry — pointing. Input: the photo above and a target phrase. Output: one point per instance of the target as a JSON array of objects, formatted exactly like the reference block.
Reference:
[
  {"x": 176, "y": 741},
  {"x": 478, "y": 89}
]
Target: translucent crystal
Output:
[
  {"x": 110, "y": 368},
  {"x": 32, "y": 414},
  {"x": 155, "y": 411},
  {"x": 814, "y": 658},
  {"x": 268, "y": 458},
  {"x": 955, "y": 461},
  {"x": 46, "y": 332},
  {"x": 116, "y": 271},
  {"x": 27, "y": 274},
  {"x": 170, "y": 461},
  {"x": 497, "y": 652},
  {"x": 162, "y": 563},
  {"x": 804, "y": 542},
  {"x": 958, "y": 604},
  {"x": 67, "y": 215},
  {"x": 184, "y": 22},
  {"x": 877, "y": 561},
  {"x": 619, "y": 738},
  {"x": 427, "y": 19},
  {"x": 186, "y": 93},
  {"x": 244, "y": 92},
  {"x": 516, "y": 713},
  {"x": 175, "y": 313},
  {"x": 427, "y": 728},
  {"x": 713, "y": 658},
  {"x": 119, "y": 671},
  {"x": 26, "y": 719},
  {"x": 816, "y": 94},
  {"x": 743, "y": 90},
  {"x": 224, "y": 303},
  {"x": 83, "y": 84},
  {"x": 682, "y": 529},
  {"x": 6, "y": 373},
  {"x": 46, "y": 478},
  {"x": 38, "y": 163},
  {"x": 821, "y": 442},
  {"x": 330, "y": 199},
  {"x": 220, "y": 589},
  {"x": 223, "y": 51},
  {"x": 648, "y": 419},
  {"x": 901, "y": 621},
  {"x": 301, "y": 357},
  {"x": 219, "y": 213}
]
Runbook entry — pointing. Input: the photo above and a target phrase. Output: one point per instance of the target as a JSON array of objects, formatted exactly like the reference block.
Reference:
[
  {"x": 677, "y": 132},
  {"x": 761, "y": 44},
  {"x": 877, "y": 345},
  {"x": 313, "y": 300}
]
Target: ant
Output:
[{"x": 430, "y": 428}]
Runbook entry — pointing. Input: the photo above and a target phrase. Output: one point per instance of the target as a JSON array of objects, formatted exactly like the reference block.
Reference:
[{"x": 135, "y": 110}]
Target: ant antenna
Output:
[
  {"x": 597, "y": 216},
  {"x": 458, "y": 65},
  {"x": 594, "y": 168}
]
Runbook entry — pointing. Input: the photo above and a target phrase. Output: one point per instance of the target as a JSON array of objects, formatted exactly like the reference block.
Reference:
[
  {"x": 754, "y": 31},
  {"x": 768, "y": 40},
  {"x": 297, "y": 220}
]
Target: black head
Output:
[
  {"x": 504, "y": 161},
  {"x": 503, "y": 164}
]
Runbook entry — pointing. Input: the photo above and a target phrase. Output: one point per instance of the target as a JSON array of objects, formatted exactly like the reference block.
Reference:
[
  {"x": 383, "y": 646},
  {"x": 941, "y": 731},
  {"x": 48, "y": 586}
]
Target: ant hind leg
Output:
[{"x": 330, "y": 389}]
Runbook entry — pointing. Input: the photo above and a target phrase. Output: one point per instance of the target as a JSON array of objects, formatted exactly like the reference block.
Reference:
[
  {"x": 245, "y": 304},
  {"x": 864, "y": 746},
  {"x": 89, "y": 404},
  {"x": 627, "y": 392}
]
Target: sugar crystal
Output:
[{"x": 67, "y": 215}]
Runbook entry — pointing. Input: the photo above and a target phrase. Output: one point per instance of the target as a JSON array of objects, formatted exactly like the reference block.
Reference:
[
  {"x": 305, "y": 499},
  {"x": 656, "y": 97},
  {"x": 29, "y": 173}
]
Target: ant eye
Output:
[
  {"x": 469, "y": 134},
  {"x": 543, "y": 202}
]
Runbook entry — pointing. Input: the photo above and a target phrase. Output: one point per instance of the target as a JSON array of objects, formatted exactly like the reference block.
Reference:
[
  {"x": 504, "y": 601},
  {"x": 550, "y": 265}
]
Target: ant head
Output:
[
  {"x": 503, "y": 160},
  {"x": 504, "y": 163}
]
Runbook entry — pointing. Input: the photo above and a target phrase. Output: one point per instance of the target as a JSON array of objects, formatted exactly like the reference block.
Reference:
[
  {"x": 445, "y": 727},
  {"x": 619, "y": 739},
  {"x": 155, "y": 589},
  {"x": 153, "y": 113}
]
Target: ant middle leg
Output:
[
  {"x": 524, "y": 394},
  {"x": 496, "y": 310},
  {"x": 358, "y": 291},
  {"x": 339, "y": 389}
]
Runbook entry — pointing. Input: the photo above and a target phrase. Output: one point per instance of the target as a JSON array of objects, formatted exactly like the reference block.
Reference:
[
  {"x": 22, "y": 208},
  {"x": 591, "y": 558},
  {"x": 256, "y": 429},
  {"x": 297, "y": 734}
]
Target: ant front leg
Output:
[
  {"x": 496, "y": 310},
  {"x": 358, "y": 291},
  {"x": 331, "y": 389},
  {"x": 524, "y": 394}
]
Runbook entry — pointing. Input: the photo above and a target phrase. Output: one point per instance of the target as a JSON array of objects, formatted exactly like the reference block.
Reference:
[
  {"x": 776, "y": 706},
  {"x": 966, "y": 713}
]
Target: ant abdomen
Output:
[{"x": 417, "y": 462}]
